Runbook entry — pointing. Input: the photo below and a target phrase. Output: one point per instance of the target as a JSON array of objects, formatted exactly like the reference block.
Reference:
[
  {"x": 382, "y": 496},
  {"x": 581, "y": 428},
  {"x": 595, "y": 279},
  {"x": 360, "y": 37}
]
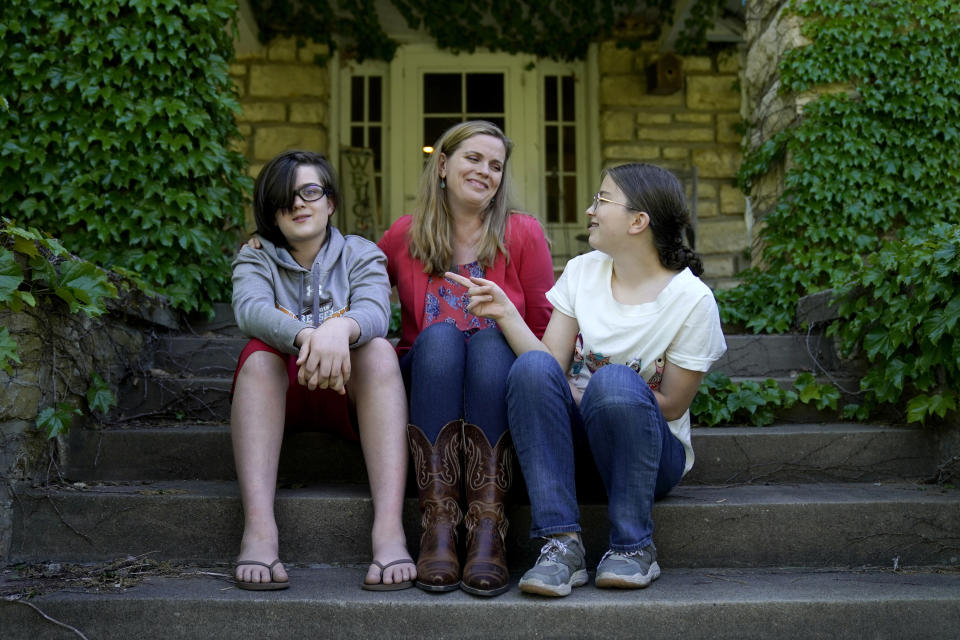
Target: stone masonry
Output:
[
  {"x": 285, "y": 99},
  {"x": 284, "y": 95},
  {"x": 697, "y": 126},
  {"x": 772, "y": 31},
  {"x": 59, "y": 352}
]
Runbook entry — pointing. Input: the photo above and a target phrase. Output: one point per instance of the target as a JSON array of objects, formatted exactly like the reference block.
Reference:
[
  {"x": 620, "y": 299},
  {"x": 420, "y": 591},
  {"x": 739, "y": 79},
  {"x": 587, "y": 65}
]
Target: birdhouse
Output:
[{"x": 665, "y": 75}]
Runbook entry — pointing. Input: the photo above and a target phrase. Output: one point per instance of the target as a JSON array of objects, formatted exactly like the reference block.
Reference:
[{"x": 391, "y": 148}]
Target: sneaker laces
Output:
[
  {"x": 553, "y": 550},
  {"x": 638, "y": 553}
]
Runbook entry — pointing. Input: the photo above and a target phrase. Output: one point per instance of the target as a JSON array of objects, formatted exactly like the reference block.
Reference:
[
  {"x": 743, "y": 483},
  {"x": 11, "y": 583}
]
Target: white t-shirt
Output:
[{"x": 682, "y": 325}]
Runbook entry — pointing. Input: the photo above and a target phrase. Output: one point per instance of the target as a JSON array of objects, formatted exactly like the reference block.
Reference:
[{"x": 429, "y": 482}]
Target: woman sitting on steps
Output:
[{"x": 455, "y": 363}]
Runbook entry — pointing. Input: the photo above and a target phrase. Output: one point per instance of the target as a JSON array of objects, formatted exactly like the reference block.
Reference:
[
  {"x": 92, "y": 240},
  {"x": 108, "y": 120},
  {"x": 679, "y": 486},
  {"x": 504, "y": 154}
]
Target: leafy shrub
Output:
[
  {"x": 902, "y": 310},
  {"x": 114, "y": 136},
  {"x": 866, "y": 165},
  {"x": 723, "y": 401}
]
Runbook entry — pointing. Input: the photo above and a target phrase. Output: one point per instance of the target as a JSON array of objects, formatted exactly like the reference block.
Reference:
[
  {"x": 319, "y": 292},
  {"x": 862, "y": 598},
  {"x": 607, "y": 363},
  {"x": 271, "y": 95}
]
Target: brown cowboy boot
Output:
[
  {"x": 489, "y": 471},
  {"x": 437, "y": 469}
]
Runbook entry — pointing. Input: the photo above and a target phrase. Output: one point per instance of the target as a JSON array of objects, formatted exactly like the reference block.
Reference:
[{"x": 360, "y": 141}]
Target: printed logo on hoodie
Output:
[{"x": 326, "y": 312}]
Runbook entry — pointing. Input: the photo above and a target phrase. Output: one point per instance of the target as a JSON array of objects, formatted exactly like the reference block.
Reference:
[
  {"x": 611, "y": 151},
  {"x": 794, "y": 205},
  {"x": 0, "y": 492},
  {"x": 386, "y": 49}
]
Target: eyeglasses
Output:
[
  {"x": 597, "y": 199},
  {"x": 312, "y": 192}
]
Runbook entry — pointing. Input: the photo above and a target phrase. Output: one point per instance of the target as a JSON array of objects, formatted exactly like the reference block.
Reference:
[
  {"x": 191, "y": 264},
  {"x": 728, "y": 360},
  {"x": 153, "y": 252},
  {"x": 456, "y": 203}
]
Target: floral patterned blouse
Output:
[{"x": 446, "y": 301}]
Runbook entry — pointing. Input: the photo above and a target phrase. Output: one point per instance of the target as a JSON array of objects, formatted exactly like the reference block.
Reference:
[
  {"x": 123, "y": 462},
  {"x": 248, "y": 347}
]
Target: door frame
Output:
[{"x": 406, "y": 106}]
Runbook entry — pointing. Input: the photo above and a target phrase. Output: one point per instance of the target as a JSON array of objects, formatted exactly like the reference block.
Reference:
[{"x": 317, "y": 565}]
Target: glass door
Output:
[
  {"x": 433, "y": 90},
  {"x": 449, "y": 98}
]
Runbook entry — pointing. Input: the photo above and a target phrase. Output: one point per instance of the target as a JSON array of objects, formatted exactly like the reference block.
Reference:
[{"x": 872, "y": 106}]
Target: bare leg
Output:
[
  {"x": 256, "y": 426},
  {"x": 376, "y": 387}
]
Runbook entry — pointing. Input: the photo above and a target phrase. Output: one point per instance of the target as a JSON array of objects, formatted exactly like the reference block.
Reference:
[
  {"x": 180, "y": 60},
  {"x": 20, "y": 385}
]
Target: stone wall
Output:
[
  {"x": 59, "y": 352},
  {"x": 771, "y": 32},
  {"x": 285, "y": 100},
  {"x": 696, "y": 126}
]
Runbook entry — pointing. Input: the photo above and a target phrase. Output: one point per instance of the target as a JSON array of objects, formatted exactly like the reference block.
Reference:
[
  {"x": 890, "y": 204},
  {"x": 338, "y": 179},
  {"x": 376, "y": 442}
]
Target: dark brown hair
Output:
[
  {"x": 657, "y": 192},
  {"x": 274, "y": 190}
]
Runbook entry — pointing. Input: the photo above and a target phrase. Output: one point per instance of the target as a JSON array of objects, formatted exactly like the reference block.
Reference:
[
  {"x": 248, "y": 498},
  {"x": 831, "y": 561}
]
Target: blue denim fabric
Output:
[
  {"x": 449, "y": 377},
  {"x": 637, "y": 456}
]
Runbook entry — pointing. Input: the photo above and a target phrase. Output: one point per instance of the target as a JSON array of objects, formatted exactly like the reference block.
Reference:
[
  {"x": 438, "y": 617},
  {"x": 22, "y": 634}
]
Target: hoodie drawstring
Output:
[{"x": 315, "y": 273}]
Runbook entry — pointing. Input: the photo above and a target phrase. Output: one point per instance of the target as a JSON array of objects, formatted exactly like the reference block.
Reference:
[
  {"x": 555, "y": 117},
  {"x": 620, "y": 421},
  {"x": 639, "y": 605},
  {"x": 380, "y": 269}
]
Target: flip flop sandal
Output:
[
  {"x": 273, "y": 585},
  {"x": 395, "y": 586}
]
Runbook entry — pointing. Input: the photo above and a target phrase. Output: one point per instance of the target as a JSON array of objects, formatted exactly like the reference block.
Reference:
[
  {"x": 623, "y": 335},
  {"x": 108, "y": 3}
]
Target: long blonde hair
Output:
[{"x": 431, "y": 234}]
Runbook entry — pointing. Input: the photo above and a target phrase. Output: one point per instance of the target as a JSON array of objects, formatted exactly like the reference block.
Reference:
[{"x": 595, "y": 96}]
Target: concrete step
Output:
[
  {"x": 747, "y": 355},
  {"x": 222, "y": 323},
  {"x": 158, "y": 397},
  {"x": 695, "y": 604},
  {"x": 211, "y": 355},
  {"x": 772, "y": 356},
  {"x": 812, "y": 525},
  {"x": 840, "y": 452},
  {"x": 190, "y": 375}
]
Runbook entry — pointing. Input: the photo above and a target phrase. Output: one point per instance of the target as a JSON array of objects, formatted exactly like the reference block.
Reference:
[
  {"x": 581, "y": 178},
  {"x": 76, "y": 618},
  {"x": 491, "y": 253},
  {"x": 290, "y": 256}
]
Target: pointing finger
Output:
[{"x": 459, "y": 279}]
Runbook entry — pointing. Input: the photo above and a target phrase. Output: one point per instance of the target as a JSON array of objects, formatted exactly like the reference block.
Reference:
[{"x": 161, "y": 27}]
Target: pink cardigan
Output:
[{"x": 525, "y": 278}]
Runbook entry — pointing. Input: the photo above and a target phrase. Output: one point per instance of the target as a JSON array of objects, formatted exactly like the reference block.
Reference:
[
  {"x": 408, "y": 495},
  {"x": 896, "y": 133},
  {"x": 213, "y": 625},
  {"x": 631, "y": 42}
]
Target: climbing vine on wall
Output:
[
  {"x": 115, "y": 131},
  {"x": 35, "y": 268},
  {"x": 872, "y": 170},
  {"x": 560, "y": 29}
]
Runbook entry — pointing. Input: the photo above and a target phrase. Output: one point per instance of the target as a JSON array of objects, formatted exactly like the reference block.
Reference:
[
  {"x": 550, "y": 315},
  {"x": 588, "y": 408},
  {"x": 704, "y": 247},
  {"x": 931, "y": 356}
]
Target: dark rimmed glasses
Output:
[{"x": 312, "y": 192}]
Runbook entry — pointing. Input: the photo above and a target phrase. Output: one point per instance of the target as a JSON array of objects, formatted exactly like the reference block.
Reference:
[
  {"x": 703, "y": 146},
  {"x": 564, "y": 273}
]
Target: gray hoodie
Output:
[{"x": 273, "y": 296}]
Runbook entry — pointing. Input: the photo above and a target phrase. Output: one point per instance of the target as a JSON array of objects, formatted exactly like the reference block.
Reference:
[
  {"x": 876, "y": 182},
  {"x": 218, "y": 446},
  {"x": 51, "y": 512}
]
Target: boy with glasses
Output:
[{"x": 316, "y": 304}]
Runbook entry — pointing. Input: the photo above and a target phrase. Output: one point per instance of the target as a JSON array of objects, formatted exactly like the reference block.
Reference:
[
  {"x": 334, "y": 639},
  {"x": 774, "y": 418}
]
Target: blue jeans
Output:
[
  {"x": 449, "y": 377},
  {"x": 638, "y": 458}
]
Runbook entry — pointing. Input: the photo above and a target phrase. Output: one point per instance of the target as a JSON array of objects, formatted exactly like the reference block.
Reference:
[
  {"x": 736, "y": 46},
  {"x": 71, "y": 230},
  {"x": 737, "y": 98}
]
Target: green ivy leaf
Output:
[
  {"x": 8, "y": 351},
  {"x": 84, "y": 286},
  {"x": 56, "y": 420},
  {"x": 11, "y": 275},
  {"x": 25, "y": 246},
  {"x": 100, "y": 397}
]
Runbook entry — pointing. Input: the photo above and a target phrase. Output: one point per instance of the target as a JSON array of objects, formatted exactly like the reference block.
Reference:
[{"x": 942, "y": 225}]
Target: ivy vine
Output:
[
  {"x": 722, "y": 401},
  {"x": 901, "y": 311},
  {"x": 870, "y": 181},
  {"x": 35, "y": 266},
  {"x": 115, "y": 133},
  {"x": 561, "y": 29}
]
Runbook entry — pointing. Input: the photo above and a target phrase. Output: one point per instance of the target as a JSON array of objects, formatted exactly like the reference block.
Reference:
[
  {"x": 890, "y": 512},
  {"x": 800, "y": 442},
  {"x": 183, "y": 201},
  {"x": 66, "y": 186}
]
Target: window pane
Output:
[
  {"x": 569, "y": 110},
  {"x": 376, "y": 83},
  {"x": 485, "y": 92},
  {"x": 553, "y": 199},
  {"x": 441, "y": 93},
  {"x": 500, "y": 122},
  {"x": 433, "y": 128},
  {"x": 376, "y": 142},
  {"x": 569, "y": 149},
  {"x": 356, "y": 99},
  {"x": 550, "y": 97},
  {"x": 551, "y": 149},
  {"x": 356, "y": 136},
  {"x": 570, "y": 200}
]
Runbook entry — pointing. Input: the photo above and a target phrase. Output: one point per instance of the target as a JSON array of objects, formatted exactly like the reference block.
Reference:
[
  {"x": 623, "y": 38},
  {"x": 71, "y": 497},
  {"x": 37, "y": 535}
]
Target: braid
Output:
[
  {"x": 658, "y": 192},
  {"x": 678, "y": 257}
]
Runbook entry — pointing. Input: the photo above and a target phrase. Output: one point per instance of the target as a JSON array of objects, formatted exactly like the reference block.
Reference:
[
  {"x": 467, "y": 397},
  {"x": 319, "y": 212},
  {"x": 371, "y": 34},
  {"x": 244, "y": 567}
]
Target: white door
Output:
[
  {"x": 432, "y": 90},
  {"x": 542, "y": 107}
]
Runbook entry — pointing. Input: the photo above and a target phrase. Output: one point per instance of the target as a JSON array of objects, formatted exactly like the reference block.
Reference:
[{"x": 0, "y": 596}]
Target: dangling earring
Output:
[{"x": 443, "y": 183}]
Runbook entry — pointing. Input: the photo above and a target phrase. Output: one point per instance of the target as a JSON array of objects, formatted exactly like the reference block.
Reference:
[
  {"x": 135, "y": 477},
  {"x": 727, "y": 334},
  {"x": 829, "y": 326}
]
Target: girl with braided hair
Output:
[{"x": 633, "y": 331}]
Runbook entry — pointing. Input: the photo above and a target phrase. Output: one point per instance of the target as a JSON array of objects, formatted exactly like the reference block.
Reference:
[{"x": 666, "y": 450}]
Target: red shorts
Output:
[{"x": 317, "y": 410}]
